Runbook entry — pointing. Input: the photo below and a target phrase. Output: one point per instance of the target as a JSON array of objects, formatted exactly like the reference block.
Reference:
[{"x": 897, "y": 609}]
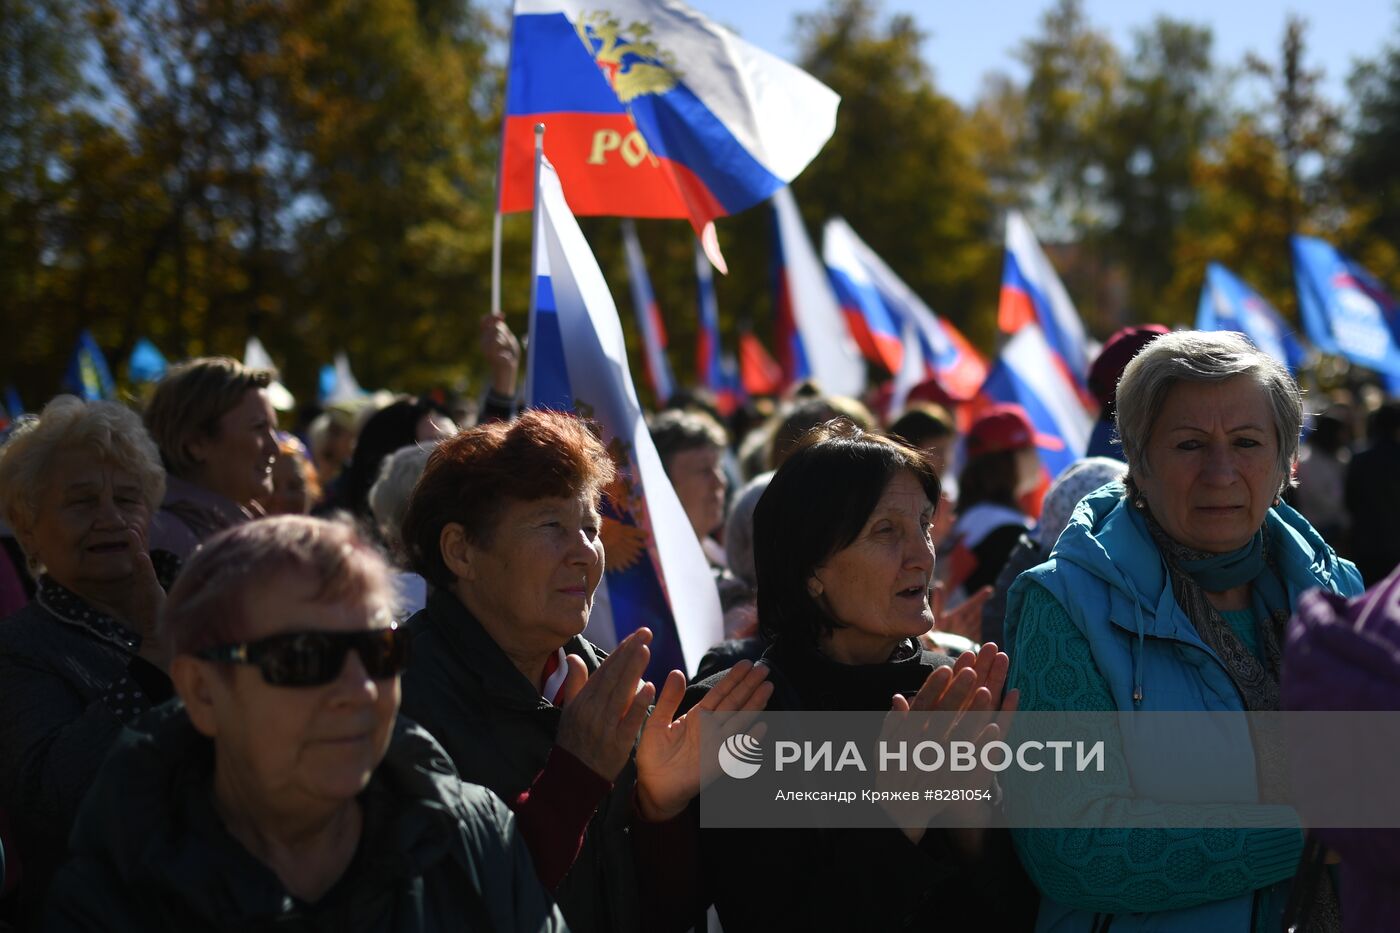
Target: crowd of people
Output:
[{"x": 342, "y": 676}]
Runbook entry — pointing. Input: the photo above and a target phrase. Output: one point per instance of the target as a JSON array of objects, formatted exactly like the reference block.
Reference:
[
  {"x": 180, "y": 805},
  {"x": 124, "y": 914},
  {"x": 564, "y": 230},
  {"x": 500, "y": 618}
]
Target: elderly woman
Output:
[
  {"x": 217, "y": 434},
  {"x": 843, "y": 595},
  {"x": 281, "y": 792},
  {"x": 1169, "y": 593},
  {"x": 79, "y": 485},
  {"x": 505, "y": 525},
  {"x": 388, "y": 500}
]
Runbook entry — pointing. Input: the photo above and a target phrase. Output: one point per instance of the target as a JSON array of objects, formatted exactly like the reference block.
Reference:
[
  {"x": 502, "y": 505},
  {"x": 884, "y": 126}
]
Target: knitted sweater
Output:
[{"x": 1127, "y": 870}]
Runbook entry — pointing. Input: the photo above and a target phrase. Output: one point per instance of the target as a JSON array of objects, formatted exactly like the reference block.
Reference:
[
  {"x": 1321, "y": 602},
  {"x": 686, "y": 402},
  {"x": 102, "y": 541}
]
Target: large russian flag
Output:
[
  {"x": 657, "y": 575},
  {"x": 804, "y": 293},
  {"x": 1345, "y": 310},
  {"x": 653, "y": 111},
  {"x": 1227, "y": 303},
  {"x": 1031, "y": 292},
  {"x": 1024, "y": 374},
  {"x": 653, "y": 329},
  {"x": 872, "y": 324},
  {"x": 941, "y": 351}
]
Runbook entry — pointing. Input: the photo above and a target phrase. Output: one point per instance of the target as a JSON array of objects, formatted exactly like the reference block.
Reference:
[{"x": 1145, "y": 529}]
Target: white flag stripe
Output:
[
  {"x": 591, "y": 333},
  {"x": 835, "y": 362}
]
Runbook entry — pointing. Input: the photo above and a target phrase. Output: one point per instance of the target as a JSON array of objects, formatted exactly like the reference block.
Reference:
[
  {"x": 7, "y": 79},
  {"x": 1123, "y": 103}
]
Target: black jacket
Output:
[
  {"x": 151, "y": 854},
  {"x": 498, "y": 730},
  {"x": 65, "y": 693},
  {"x": 854, "y": 879}
]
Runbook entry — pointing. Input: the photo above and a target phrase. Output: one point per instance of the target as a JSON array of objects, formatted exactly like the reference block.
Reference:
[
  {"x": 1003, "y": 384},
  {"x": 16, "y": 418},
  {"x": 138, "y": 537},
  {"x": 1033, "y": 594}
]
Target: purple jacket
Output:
[{"x": 1345, "y": 655}]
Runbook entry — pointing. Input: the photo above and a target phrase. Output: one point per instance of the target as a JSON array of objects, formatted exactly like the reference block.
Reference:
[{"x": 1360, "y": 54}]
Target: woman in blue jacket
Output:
[{"x": 1170, "y": 593}]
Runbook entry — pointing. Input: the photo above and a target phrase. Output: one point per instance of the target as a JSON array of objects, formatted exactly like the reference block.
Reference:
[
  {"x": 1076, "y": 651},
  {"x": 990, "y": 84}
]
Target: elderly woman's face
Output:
[
  {"x": 537, "y": 574},
  {"x": 1213, "y": 462},
  {"x": 698, "y": 477},
  {"x": 236, "y": 461},
  {"x": 80, "y": 531},
  {"x": 294, "y": 746},
  {"x": 879, "y": 583}
]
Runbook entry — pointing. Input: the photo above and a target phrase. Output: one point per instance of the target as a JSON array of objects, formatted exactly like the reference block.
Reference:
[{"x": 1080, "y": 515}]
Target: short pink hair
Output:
[{"x": 206, "y": 606}]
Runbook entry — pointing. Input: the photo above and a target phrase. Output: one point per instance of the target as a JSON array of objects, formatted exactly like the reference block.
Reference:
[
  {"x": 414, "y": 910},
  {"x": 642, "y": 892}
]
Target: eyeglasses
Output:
[{"x": 310, "y": 659}]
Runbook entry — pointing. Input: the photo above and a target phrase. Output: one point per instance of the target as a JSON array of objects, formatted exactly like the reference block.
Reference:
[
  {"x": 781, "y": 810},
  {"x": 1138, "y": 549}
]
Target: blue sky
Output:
[{"x": 968, "y": 38}]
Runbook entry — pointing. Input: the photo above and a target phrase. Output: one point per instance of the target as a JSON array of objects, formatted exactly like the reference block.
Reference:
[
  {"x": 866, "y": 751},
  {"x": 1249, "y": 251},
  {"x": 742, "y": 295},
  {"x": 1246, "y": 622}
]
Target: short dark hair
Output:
[
  {"x": 989, "y": 478},
  {"x": 817, "y": 504},
  {"x": 806, "y": 415},
  {"x": 921, "y": 424},
  {"x": 674, "y": 432},
  {"x": 470, "y": 477}
]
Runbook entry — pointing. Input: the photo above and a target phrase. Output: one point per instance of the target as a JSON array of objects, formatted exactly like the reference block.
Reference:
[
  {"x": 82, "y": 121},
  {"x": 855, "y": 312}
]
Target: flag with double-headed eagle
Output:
[
  {"x": 656, "y": 573},
  {"x": 654, "y": 111}
]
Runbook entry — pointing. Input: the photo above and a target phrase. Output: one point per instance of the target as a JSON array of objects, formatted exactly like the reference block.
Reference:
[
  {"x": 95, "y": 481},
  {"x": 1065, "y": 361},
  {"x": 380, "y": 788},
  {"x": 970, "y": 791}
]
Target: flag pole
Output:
[
  {"x": 535, "y": 227},
  {"x": 496, "y": 262},
  {"x": 500, "y": 170}
]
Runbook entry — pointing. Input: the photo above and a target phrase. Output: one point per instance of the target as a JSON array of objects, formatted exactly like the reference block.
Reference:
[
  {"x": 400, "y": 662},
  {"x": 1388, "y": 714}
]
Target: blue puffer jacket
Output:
[{"x": 1113, "y": 582}]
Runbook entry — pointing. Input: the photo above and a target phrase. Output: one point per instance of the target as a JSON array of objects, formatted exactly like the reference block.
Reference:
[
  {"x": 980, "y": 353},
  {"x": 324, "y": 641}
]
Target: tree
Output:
[{"x": 1369, "y": 171}]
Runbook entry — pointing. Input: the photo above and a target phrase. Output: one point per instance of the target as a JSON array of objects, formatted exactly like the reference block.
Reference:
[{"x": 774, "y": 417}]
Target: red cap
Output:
[
  {"x": 1115, "y": 356},
  {"x": 1006, "y": 427}
]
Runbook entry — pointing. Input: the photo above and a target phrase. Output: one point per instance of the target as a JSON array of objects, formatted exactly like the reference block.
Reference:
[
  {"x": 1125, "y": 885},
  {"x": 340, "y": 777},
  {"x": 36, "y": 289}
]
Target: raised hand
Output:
[
  {"x": 970, "y": 691},
  {"x": 501, "y": 350},
  {"x": 146, "y": 599},
  {"x": 669, "y": 769},
  {"x": 603, "y": 711}
]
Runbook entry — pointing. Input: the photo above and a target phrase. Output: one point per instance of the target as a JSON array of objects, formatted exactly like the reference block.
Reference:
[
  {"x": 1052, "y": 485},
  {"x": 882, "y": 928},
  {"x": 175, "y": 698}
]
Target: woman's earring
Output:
[
  {"x": 1139, "y": 502},
  {"x": 1277, "y": 500}
]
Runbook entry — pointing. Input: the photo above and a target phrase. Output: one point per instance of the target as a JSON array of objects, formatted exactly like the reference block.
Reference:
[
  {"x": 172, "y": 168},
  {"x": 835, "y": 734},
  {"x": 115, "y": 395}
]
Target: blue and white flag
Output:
[
  {"x": 1025, "y": 374},
  {"x": 88, "y": 376},
  {"x": 657, "y": 575},
  {"x": 1227, "y": 303},
  {"x": 1345, "y": 310},
  {"x": 663, "y": 384}
]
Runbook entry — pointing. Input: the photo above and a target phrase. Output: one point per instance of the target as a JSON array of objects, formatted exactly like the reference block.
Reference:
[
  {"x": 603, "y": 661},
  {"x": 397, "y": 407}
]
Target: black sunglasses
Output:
[{"x": 310, "y": 659}]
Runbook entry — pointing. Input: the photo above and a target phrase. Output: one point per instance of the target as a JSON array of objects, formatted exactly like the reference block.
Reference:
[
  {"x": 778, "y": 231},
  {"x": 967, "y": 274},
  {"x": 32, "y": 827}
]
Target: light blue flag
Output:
[
  {"x": 1227, "y": 303},
  {"x": 147, "y": 363},
  {"x": 1345, "y": 310}
]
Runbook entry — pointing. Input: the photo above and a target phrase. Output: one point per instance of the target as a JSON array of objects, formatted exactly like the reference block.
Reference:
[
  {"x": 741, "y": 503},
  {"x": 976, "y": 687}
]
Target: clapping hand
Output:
[
  {"x": 669, "y": 770},
  {"x": 604, "y": 710}
]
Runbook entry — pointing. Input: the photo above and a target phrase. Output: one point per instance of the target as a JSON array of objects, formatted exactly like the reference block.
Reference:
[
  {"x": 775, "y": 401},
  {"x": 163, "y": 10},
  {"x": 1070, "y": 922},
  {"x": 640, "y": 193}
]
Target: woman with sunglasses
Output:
[{"x": 281, "y": 790}]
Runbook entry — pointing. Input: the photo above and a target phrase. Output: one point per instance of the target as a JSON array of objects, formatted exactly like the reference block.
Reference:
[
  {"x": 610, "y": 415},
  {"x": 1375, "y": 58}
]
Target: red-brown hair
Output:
[{"x": 470, "y": 477}]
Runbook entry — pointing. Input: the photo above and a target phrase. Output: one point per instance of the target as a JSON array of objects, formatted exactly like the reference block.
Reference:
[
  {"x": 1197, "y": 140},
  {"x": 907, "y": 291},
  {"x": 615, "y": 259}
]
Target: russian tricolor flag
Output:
[
  {"x": 653, "y": 329},
  {"x": 1345, "y": 310},
  {"x": 1024, "y": 374},
  {"x": 869, "y": 318},
  {"x": 1227, "y": 303},
  {"x": 654, "y": 111},
  {"x": 808, "y": 313},
  {"x": 930, "y": 347},
  {"x": 1031, "y": 292},
  {"x": 657, "y": 575}
]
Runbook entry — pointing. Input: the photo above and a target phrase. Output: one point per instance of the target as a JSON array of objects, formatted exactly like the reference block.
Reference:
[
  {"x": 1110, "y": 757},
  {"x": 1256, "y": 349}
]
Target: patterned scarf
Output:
[{"x": 1194, "y": 574}]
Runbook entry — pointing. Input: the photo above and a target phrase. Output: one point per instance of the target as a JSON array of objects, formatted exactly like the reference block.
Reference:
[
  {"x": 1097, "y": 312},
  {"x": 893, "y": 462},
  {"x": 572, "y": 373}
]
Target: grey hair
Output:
[
  {"x": 1203, "y": 356},
  {"x": 108, "y": 431},
  {"x": 388, "y": 497}
]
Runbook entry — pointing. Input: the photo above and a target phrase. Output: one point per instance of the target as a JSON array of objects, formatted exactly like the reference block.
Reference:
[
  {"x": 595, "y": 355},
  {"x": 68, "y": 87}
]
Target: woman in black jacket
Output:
[
  {"x": 281, "y": 792},
  {"x": 844, "y": 557}
]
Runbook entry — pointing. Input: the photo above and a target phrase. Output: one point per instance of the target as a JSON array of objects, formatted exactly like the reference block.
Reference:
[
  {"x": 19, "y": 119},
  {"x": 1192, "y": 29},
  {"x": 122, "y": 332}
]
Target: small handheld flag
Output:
[
  {"x": 1031, "y": 292},
  {"x": 658, "y": 367},
  {"x": 1345, "y": 310},
  {"x": 146, "y": 363},
  {"x": 1227, "y": 303},
  {"x": 88, "y": 376}
]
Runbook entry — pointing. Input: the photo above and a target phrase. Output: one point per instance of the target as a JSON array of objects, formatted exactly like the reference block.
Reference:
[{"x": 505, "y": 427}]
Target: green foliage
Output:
[{"x": 321, "y": 173}]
